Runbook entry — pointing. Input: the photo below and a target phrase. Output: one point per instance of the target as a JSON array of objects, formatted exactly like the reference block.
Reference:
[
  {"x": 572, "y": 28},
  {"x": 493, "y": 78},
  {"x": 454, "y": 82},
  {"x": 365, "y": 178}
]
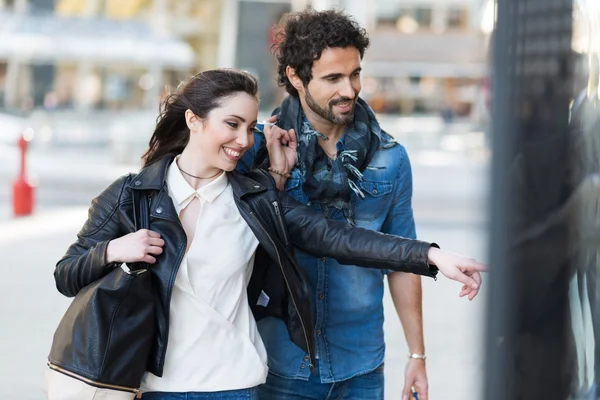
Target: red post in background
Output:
[{"x": 22, "y": 189}]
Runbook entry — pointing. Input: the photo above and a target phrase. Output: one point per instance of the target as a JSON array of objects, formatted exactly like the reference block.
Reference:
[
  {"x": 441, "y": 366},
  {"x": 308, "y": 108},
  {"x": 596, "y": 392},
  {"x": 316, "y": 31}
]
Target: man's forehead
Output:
[{"x": 341, "y": 60}]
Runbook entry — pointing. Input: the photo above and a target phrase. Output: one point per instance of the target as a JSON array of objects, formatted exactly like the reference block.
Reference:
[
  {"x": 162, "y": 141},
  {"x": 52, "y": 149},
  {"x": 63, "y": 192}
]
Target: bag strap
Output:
[{"x": 141, "y": 217}]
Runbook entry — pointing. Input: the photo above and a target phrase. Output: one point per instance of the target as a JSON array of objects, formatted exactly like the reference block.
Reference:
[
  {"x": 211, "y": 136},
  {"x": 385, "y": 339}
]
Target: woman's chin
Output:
[{"x": 228, "y": 166}]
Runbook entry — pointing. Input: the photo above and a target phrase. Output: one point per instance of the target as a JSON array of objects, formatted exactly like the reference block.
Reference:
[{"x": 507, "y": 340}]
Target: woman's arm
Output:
[
  {"x": 85, "y": 260},
  {"x": 350, "y": 245},
  {"x": 319, "y": 236}
]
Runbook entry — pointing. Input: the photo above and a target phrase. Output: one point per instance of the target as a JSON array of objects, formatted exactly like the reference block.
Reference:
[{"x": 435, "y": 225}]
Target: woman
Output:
[{"x": 221, "y": 245}]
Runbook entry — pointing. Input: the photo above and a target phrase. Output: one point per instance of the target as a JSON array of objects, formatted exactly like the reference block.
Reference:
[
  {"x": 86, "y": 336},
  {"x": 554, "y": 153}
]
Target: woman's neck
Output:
[{"x": 195, "y": 171}]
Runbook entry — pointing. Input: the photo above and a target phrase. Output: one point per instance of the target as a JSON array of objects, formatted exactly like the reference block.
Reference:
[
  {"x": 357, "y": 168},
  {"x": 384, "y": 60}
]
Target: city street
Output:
[{"x": 449, "y": 201}]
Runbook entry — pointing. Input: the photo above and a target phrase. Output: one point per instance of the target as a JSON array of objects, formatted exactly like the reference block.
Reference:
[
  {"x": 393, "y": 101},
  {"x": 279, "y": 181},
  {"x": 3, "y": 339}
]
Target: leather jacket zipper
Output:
[
  {"x": 279, "y": 219},
  {"x": 310, "y": 361},
  {"x": 138, "y": 394}
]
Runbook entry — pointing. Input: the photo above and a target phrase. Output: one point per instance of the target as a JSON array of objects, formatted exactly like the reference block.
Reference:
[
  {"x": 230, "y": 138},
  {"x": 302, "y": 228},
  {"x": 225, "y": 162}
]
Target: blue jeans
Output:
[
  {"x": 244, "y": 394},
  {"x": 369, "y": 386}
]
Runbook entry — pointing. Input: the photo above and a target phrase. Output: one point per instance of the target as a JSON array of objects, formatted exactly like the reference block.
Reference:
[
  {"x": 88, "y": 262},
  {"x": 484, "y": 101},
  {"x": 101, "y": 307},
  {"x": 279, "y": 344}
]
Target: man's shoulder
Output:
[{"x": 391, "y": 153}]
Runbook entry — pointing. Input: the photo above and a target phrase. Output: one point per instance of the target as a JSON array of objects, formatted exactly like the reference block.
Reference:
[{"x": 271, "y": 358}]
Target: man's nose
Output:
[{"x": 347, "y": 90}]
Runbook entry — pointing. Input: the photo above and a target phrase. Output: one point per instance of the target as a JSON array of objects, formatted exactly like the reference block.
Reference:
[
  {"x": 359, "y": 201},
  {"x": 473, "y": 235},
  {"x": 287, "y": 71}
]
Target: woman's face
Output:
[{"x": 223, "y": 137}]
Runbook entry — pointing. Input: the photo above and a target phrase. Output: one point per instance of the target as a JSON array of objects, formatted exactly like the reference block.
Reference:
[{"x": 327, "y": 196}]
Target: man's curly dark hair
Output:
[{"x": 302, "y": 37}]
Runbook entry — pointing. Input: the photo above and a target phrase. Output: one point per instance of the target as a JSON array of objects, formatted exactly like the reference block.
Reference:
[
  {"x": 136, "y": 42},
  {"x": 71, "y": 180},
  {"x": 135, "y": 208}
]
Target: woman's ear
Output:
[
  {"x": 192, "y": 121},
  {"x": 294, "y": 79}
]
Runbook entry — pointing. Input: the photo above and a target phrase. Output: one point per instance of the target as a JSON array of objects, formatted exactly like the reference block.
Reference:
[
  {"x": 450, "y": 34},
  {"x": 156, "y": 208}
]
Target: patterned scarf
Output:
[{"x": 330, "y": 182}]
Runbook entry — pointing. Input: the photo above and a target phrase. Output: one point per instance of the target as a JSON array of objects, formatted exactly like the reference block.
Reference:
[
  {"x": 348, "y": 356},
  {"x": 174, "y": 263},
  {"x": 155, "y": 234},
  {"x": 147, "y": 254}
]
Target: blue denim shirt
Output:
[{"x": 347, "y": 301}]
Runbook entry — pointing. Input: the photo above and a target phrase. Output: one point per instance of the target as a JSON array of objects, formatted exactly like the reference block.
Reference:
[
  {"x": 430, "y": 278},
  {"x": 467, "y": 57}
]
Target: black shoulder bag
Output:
[{"x": 105, "y": 337}]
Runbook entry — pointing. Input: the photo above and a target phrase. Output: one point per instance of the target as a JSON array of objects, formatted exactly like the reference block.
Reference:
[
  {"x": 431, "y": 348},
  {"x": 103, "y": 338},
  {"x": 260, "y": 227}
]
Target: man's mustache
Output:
[{"x": 340, "y": 100}]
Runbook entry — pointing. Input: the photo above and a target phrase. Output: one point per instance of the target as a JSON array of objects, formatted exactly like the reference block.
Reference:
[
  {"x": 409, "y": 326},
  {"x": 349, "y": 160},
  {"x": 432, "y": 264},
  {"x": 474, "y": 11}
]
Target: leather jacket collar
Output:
[{"x": 153, "y": 177}]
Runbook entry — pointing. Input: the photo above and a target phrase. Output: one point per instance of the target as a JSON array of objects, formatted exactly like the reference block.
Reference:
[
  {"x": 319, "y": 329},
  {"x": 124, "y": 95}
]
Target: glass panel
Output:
[{"x": 544, "y": 316}]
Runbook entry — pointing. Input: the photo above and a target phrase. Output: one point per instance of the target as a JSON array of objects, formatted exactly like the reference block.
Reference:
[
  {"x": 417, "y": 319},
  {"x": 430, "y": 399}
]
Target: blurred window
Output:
[
  {"x": 7, "y": 5},
  {"x": 457, "y": 18},
  {"x": 399, "y": 18},
  {"x": 40, "y": 7}
]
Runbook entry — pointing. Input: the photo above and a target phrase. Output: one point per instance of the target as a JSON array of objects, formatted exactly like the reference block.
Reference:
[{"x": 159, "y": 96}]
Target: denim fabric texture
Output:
[
  {"x": 369, "y": 386},
  {"x": 347, "y": 300},
  {"x": 244, "y": 394}
]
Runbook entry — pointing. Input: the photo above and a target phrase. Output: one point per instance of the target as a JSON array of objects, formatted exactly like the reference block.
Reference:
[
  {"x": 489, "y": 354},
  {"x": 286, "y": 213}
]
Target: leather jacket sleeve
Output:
[
  {"x": 85, "y": 260},
  {"x": 318, "y": 236}
]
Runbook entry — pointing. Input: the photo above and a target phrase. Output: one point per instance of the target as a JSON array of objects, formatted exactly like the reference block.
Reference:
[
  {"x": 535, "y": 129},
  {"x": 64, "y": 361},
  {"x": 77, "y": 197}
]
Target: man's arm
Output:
[{"x": 406, "y": 288}]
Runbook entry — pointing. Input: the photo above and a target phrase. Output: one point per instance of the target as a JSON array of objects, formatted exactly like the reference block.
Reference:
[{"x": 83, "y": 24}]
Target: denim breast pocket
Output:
[
  {"x": 376, "y": 200},
  {"x": 294, "y": 188}
]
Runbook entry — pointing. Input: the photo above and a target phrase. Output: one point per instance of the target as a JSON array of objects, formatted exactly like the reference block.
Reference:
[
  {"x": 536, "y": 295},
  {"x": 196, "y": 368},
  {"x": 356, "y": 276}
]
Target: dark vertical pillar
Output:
[
  {"x": 255, "y": 37},
  {"x": 529, "y": 343}
]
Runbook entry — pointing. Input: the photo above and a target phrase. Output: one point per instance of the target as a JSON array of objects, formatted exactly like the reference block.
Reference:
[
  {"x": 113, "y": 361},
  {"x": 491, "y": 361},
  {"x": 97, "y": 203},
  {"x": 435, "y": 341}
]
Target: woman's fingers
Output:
[
  {"x": 465, "y": 279},
  {"x": 148, "y": 259},
  {"x": 154, "y": 250},
  {"x": 292, "y": 142},
  {"x": 156, "y": 242},
  {"x": 473, "y": 265}
]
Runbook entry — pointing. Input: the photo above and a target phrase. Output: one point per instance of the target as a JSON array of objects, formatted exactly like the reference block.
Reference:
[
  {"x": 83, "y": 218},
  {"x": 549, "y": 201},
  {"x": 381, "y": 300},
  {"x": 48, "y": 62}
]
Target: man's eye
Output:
[{"x": 234, "y": 125}]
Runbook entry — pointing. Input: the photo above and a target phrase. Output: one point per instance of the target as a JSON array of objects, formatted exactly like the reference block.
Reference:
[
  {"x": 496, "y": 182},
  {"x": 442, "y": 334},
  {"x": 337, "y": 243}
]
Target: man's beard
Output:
[{"x": 328, "y": 114}]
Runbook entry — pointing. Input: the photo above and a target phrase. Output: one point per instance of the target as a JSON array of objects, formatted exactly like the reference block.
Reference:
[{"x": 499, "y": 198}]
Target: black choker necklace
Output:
[{"x": 199, "y": 177}]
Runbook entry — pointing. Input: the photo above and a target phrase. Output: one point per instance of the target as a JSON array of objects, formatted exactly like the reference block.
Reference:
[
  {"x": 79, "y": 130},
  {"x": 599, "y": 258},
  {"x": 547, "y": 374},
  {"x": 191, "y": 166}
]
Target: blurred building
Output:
[
  {"x": 101, "y": 54},
  {"x": 426, "y": 56}
]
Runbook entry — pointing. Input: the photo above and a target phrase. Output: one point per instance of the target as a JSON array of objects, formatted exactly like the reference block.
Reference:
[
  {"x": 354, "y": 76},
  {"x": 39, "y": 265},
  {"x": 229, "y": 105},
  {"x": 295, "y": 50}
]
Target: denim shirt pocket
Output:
[
  {"x": 294, "y": 188},
  {"x": 376, "y": 200}
]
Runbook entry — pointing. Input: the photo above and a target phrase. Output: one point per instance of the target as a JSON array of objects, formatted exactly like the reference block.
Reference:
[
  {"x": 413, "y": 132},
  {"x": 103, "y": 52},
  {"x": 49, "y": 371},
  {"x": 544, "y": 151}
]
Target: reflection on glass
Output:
[
  {"x": 583, "y": 206},
  {"x": 553, "y": 116}
]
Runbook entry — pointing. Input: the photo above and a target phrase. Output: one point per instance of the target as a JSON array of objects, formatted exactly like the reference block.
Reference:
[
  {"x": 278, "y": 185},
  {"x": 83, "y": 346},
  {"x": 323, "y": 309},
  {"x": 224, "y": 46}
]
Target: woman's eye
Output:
[{"x": 234, "y": 125}]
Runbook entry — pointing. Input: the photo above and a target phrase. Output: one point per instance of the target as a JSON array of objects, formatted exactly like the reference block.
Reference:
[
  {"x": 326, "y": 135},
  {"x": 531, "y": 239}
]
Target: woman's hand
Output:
[
  {"x": 458, "y": 268},
  {"x": 281, "y": 145},
  {"x": 138, "y": 246}
]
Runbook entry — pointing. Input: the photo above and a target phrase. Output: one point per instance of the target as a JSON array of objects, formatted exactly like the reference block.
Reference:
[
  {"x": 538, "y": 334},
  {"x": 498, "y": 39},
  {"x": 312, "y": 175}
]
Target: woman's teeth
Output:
[{"x": 231, "y": 153}]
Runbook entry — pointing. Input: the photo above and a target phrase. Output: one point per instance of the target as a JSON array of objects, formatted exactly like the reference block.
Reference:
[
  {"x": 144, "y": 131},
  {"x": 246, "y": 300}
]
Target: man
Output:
[{"x": 350, "y": 170}]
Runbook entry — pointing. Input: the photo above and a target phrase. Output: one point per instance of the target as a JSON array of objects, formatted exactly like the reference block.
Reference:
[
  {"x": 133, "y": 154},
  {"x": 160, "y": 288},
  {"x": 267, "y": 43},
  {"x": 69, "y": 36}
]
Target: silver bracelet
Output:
[{"x": 417, "y": 356}]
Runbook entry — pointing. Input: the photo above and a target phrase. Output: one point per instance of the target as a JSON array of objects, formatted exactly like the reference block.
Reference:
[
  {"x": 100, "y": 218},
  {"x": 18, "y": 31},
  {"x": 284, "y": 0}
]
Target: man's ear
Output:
[
  {"x": 294, "y": 79},
  {"x": 192, "y": 121}
]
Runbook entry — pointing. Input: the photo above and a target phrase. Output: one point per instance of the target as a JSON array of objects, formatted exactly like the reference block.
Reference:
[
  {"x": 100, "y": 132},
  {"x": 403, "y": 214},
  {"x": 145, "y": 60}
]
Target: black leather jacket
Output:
[{"x": 277, "y": 220}]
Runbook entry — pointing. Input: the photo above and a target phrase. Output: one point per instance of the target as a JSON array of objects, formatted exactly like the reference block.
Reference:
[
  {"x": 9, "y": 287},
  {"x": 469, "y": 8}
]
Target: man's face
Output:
[{"x": 335, "y": 85}]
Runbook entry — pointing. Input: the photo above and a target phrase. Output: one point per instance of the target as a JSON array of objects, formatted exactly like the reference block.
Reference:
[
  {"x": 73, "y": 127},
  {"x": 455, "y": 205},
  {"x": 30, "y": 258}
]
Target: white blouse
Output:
[{"x": 214, "y": 343}]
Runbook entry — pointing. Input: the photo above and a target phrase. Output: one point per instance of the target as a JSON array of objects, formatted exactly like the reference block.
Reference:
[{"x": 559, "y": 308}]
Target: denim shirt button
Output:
[
  {"x": 305, "y": 358},
  {"x": 324, "y": 259},
  {"x": 159, "y": 210},
  {"x": 302, "y": 366},
  {"x": 374, "y": 191},
  {"x": 321, "y": 296},
  {"x": 319, "y": 332}
]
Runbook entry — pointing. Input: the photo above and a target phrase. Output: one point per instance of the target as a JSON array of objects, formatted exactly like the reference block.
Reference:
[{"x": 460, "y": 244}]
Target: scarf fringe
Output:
[{"x": 356, "y": 189}]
